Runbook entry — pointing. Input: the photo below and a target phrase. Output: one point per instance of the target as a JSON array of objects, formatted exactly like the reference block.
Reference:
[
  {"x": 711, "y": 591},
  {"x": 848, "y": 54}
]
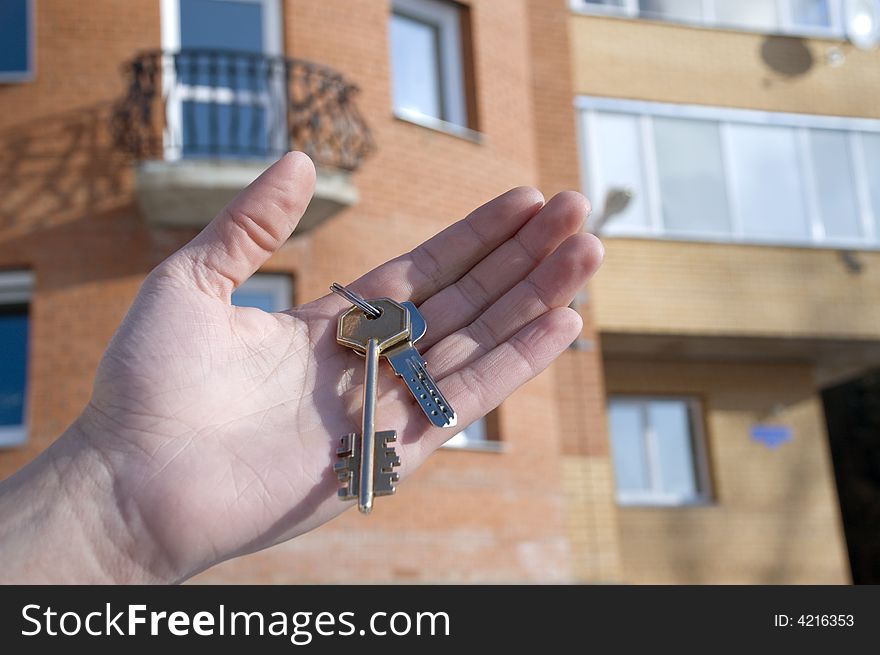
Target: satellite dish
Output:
[{"x": 861, "y": 20}]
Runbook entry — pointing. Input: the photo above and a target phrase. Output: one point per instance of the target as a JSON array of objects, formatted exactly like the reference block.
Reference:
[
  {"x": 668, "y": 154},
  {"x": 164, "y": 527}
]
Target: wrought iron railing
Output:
[{"x": 223, "y": 104}]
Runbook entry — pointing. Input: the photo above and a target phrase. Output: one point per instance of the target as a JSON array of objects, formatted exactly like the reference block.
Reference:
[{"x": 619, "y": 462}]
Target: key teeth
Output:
[
  {"x": 346, "y": 444},
  {"x": 347, "y": 467},
  {"x": 386, "y": 460}
]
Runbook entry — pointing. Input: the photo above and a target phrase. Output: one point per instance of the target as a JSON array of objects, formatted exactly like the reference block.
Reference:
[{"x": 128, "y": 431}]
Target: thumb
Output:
[{"x": 250, "y": 228}]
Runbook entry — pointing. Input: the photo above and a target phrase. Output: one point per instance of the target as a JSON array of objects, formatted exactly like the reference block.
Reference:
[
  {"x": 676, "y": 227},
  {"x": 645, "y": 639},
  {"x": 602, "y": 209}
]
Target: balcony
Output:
[{"x": 202, "y": 124}]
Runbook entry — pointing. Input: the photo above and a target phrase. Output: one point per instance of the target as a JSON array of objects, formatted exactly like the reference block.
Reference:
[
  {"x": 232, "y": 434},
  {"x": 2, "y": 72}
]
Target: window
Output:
[
  {"x": 870, "y": 144},
  {"x": 734, "y": 175},
  {"x": 427, "y": 62},
  {"x": 686, "y": 10},
  {"x": 759, "y": 15},
  {"x": 226, "y": 92},
  {"x": 691, "y": 176},
  {"x": 658, "y": 452},
  {"x": 271, "y": 293},
  {"x": 15, "y": 296},
  {"x": 479, "y": 435},
  {"x": 769, "y": 187},
  {"x": 804, "y": 17},
  {"x": 16, "y": 40}
]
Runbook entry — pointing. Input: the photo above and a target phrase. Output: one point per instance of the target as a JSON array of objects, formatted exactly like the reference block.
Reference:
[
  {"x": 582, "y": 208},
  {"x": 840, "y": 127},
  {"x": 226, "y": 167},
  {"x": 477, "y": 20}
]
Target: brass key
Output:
[{"x": 364, "y": 471}]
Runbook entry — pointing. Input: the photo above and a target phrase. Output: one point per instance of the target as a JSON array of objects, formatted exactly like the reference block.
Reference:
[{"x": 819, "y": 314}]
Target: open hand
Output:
[{"x": 215, "y": 427}]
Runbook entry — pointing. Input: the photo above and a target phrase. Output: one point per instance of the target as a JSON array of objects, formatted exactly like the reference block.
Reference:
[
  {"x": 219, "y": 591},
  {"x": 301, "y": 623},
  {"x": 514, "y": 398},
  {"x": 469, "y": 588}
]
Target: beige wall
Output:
[
  {"x": 774, "y": 516},
  {"x": 673, "y": 63},
  {"x": 664, "y": 287}
]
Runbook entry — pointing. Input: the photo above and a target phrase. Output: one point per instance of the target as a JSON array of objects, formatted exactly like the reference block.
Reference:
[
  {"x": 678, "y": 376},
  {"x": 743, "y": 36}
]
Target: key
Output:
[
  {"x": 367, "y": 460},
  {"x": 409, "y": 365}
]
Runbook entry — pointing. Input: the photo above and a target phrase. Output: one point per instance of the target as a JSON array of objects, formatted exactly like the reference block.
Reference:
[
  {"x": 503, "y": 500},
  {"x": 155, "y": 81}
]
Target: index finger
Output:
[{"x": 447, "y": 256}]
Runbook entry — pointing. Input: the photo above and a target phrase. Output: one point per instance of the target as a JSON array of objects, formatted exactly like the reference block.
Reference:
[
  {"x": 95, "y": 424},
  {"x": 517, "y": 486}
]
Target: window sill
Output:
[
  {"x": 17, "y": 78},
  {"x": 489, "y": 446},
  {"x": 13, "y": 437},
  {"x": 648, "y": 503},
  {"x": 439, "y": 125},
  {"x": 857, "y": 246}
]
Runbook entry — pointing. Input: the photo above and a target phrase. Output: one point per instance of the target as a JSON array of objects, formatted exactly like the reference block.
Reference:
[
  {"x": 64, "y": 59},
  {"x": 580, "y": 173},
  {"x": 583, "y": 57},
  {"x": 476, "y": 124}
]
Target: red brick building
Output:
[{"x": 125, "y": 125}]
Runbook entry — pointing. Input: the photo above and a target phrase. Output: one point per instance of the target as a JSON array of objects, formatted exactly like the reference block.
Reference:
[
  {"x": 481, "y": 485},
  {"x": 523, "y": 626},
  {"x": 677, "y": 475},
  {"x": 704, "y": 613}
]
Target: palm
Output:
[{"x": 225, "y": 420}]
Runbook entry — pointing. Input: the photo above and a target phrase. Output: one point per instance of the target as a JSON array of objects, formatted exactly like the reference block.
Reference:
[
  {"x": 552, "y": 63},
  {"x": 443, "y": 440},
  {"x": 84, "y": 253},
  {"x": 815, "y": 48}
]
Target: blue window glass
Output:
[
  {"x": 15, "y": 34},
  {"x": 221, "y": 25},
  {"x": 259, "y": 299},
  {"x": 231, "y": 94},
  {"x": 224, "y": 129},
  {"x": 271, "y": 293},
  {"x": 13, "y": 364}
]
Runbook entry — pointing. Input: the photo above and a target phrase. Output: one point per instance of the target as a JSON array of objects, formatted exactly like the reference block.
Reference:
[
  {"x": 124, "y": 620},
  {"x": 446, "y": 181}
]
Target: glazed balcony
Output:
[{"x": 202, "y": 124}]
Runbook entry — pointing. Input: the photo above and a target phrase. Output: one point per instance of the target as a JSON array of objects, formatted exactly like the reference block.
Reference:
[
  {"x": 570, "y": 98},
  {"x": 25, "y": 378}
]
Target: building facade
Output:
[{"x": 681, "y": 439}]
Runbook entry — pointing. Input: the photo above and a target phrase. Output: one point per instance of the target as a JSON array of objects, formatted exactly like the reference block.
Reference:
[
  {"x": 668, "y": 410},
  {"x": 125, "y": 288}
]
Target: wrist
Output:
[{"x": 62, "y": 520}]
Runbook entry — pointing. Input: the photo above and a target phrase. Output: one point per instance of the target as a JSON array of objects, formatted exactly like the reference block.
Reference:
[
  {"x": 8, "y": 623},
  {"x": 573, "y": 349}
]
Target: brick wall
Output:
[
  {"x": 67, "y": 212},
  {"x": 580, "y": 398},
  {"x": 66, "y": 207}
]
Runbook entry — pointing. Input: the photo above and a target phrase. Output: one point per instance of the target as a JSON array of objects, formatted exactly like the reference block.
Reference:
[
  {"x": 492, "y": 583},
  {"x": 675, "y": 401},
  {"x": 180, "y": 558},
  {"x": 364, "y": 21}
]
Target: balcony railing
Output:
[{"x": 237, "y": 105}]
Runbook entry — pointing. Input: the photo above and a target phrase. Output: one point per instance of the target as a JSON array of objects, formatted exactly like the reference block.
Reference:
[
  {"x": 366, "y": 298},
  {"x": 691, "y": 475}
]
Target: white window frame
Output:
[
  {"x": 474, "y": 437},
  {"x": 784, "y": 13},
  {"x": 446, "y": 17},
  {"x": 279, "y": 286},
  {"x": 16, "y": 287},
  {"x": 29, "y": 74},
  {"x": 655, "y": 496},
  {"x": 592, "y": 180},
  {"x": 176, "y": 93}
]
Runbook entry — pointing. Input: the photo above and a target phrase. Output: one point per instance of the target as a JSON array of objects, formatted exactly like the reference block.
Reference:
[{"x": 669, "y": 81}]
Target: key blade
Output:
[{"x": 408, "y": 364}]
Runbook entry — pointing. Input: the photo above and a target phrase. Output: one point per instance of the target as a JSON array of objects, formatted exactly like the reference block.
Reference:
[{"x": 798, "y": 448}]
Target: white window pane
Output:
[
  {"x": 768, "y": 182},
  {"x": 474, "y": 433},
  {"x": 670, "y": 426},
  {"x": 751, "y": 14},
  {"x": 871, "y": 148},
  {"x": 689, "y": 10},
  {"x": 691, "y": 174},
  {"x": 810, "y": 13},
  {"x": 415, "y": 66},
  {"x": 835, "y": 185},
  {"x": 628, "y": 446},
  {"x": 609, "y": 3},
  {"x": 619, "y": 151}
]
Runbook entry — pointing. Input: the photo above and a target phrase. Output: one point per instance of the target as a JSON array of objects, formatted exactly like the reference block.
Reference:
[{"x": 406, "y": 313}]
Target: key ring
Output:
[{"x": 355, "y": 299}]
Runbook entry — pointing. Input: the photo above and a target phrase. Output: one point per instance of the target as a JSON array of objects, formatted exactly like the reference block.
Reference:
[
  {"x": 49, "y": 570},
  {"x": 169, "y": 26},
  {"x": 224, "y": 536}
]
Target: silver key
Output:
[
  {"x": 409, "y": 364},
  {"x": 365, "y": 469}
]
